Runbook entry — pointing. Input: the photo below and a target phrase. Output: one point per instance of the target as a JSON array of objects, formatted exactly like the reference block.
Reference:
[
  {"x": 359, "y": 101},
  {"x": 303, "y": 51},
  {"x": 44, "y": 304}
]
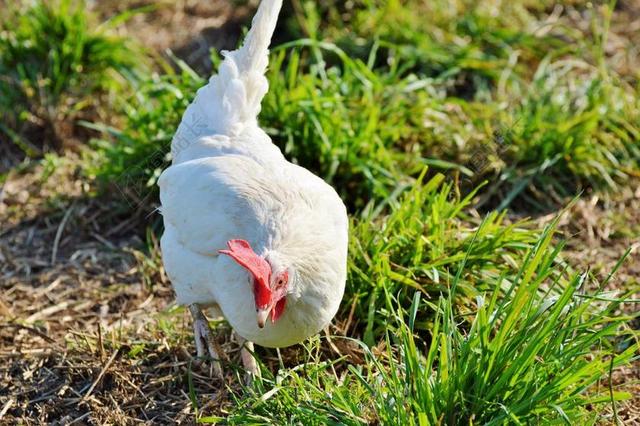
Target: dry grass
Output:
[
  {"x": 599, "y": 229},
  {"x": 88, "y": 331},
  {"x": 75, "y": 312}
]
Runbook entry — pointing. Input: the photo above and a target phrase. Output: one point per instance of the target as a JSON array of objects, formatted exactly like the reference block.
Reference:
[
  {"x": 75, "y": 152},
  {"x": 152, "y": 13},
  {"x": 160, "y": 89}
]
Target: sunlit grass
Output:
[
  {"x": 368, "y": 131},
  {"x": 532, "y": 357},
  {"x": 55, "y": 61}
]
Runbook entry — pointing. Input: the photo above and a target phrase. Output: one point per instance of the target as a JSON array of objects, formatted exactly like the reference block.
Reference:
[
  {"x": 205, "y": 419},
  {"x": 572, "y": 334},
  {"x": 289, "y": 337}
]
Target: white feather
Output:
[
  {"x": 231, "y": 100},
  {"x": 228, "y": 181}
]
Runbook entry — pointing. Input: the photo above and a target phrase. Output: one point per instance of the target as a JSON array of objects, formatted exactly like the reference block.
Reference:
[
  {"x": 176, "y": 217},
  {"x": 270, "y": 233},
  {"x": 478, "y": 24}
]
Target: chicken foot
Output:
[{"x": 204, "y": 339}]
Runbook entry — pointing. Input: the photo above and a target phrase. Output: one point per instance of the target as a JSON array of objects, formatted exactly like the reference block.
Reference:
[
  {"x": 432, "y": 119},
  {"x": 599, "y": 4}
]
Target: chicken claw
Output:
[{"x": 204, "y": 339}]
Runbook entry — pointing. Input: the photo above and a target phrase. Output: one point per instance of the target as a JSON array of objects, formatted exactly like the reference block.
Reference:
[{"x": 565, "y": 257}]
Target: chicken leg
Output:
[
  {"x": 248, "y": 359},
  {"x": 204, "y": 339}
]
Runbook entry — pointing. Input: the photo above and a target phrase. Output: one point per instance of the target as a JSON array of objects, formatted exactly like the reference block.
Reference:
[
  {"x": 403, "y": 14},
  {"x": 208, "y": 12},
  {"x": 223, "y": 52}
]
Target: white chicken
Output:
[{"x": 247, "y": 233}]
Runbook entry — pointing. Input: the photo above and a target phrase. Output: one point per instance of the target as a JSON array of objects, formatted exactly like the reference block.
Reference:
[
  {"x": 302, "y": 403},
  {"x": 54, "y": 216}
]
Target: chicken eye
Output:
[{"x": 281, "y": 281}]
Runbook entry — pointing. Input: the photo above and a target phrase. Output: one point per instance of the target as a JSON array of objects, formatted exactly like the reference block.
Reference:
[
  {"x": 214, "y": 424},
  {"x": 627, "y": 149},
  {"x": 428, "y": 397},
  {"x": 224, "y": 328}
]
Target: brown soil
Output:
[
  {"x": 79, "y": 337},
  {"x": 187, "y": 28},
  {"x": 89, "y": 331}
]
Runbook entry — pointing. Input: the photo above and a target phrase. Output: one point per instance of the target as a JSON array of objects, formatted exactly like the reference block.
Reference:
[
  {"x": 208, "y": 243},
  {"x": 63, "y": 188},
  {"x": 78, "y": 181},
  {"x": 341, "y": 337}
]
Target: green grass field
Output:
[{"x": 489, "y": 156}]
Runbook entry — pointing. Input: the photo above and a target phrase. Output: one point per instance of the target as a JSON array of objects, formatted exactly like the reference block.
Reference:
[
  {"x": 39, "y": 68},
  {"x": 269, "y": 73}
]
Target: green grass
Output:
[
  {"x": 534, "y": 357},
  {"x": 368, "y": 129},
  {"x": 417, "y": 243},
  {"x": 535, "y": 111},
  {"x": 134, "y": 156},
  {"x": 573, "y": 127},
  {"x": 461, "y": 91},
  {"x": 56, "y": 64},
  {"x": 354, "y": 127},
  {"x": 469, "y": 43}
]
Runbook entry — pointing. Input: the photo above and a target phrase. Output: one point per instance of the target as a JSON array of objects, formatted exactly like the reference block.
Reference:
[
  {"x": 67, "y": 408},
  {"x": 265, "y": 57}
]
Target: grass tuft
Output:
[
  {"x": 532, "y": 357},
  {"x": 54, "y": 63},
  {"x": 417, "y": 242},
  {"x": 133, "y": 157}
]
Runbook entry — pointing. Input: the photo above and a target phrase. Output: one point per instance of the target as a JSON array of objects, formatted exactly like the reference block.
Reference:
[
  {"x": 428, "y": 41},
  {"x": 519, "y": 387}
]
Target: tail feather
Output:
[
  {"x": 253, "y": 55},
  {"x": 231, "y": 100}
]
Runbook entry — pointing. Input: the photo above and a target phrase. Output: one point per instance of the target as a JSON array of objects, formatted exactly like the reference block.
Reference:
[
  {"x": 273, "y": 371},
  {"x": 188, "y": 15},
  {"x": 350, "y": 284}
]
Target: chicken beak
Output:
[{"x": 263, "y": 314}]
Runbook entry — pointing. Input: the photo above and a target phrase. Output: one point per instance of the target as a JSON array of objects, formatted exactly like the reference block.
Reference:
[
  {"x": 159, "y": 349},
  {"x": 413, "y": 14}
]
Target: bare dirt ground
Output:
[
  {"x": 187, "y": 28},
  {"x": 87, "y": 303}
]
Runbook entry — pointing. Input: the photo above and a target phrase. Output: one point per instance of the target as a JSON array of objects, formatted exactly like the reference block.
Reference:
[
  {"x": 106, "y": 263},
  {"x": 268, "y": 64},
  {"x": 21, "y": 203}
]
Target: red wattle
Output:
[{"x": 277, "y": 310}]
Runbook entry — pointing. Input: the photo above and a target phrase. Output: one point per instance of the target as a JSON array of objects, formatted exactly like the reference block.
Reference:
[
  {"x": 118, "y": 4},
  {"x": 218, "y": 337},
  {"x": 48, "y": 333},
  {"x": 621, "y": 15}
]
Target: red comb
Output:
[{"x": 241, "y": 252}]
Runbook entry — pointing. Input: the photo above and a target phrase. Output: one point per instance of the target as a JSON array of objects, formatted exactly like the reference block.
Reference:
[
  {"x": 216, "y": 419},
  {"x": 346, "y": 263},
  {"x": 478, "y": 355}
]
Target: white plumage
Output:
[{"x": 229, "y": 182}]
